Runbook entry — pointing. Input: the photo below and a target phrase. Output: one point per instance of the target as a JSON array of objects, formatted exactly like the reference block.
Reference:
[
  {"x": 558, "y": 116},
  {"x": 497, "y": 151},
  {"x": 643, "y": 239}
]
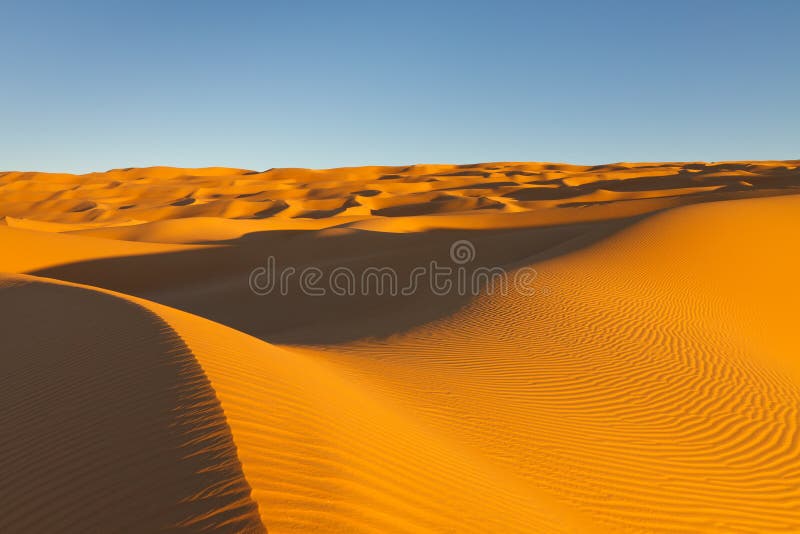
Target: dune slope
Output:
[
  {"x": 652, "y": 382},
  {"x": 323, "y": 451}
]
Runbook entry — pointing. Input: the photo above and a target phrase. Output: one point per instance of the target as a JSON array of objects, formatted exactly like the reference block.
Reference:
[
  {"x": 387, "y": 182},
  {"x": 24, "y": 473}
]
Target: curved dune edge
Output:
[
  {"x": 108, "y": 423},
  {"x": 652, "y": 382},
  {"x": 322, "y": 451}
]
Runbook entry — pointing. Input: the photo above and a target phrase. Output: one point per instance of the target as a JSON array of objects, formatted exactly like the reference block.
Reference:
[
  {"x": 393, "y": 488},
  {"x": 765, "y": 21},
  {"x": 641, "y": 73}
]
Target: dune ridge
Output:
[{"x": 648, "y": 384}]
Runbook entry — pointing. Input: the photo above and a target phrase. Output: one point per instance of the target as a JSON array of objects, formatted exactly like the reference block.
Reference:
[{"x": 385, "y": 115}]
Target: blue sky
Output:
[{"x": 93, "y": 85}]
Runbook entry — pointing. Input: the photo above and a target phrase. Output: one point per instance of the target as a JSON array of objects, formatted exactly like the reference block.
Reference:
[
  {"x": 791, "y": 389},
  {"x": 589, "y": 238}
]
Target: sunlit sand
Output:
[{"x": 648, "y": 382}]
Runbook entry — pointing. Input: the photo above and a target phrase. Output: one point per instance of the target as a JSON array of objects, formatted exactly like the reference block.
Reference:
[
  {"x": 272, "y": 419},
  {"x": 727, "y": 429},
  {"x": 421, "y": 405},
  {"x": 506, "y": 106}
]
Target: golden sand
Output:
[{"x": 649, "y": 383}]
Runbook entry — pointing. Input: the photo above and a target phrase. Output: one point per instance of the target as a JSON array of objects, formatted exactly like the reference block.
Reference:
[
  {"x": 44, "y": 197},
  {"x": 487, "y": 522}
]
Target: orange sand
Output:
[{"x": 649, "y": 384}]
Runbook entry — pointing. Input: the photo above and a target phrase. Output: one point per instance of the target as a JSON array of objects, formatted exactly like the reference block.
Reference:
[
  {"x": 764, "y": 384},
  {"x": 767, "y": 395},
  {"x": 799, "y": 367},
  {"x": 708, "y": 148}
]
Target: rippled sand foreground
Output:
[{"x": 649, "y": 381}]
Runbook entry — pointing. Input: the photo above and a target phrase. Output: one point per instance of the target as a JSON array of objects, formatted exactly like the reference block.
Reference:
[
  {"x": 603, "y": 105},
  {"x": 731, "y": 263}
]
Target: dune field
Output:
[{"x": 646, "y": 378}]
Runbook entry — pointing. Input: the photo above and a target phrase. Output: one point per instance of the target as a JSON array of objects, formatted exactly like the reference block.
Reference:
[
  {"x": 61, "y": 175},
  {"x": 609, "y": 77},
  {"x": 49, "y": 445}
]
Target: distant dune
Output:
[{"x": 646, "y": 380}]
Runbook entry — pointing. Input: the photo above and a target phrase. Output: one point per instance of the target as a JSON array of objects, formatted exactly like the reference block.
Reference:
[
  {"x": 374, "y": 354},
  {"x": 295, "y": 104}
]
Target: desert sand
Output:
[{"x": 649, "y": 382}]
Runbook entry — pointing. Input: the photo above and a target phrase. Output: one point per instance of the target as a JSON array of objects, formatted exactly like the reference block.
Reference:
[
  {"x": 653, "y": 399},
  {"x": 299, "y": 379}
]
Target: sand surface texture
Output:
[{"x": 647, "y": 380}]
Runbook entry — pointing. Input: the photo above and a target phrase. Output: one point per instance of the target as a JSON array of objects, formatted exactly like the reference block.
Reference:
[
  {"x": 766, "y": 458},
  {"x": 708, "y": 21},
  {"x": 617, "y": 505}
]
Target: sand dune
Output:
[
  {"x": 648, "y": 383},
  {"x": 338, "y": 196}
]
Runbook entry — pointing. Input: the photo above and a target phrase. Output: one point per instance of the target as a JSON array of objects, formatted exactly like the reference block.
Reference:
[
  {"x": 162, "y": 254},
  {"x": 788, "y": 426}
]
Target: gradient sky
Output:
[{"x": 93, "y": 85}]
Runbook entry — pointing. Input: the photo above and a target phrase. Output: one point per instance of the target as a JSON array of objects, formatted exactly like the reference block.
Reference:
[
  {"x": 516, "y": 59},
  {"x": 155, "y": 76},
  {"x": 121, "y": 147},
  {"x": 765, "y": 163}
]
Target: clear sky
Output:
[{"x": 93, "y": 85}]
